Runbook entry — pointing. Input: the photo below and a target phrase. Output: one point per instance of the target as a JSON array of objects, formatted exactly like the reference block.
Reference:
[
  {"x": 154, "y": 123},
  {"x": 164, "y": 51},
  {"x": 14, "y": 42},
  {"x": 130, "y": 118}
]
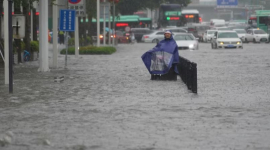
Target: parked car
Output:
[
  {"x": 226, "y": 39},
  {"x": 153, "y": 37},
  {"x": 186, "y": 41},
  {"x": 256, "y": 35},
  {"x": 208, "y": 34},
  {"x": 139, "y": 32},
  {"x": 241, "y": 33}
]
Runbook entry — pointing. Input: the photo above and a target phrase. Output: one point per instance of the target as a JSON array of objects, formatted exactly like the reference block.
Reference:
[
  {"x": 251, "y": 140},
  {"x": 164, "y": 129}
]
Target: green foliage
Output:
[
  {"x": 71, "y": 41},
  {"x": 90, "y": 50},
  {"x": 89, "y": 40},
  {"x": 34, "y": 45},
  {"x": 71, "y": 51},
  {"x": 83, "y": 41}
]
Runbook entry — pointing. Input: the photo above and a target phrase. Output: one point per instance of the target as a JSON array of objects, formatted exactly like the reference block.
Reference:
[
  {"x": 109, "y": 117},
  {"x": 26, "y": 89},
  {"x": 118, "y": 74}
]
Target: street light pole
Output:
[
  {"x": 114, "y": 22},
  {"x": 10, "y": 29},
  {"x": 98, "y": 23}
]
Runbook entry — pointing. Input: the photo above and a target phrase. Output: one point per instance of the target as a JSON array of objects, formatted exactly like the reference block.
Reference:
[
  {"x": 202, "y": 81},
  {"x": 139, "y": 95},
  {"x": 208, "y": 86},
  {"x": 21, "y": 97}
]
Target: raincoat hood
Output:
[{"x": 168, "y": 31}]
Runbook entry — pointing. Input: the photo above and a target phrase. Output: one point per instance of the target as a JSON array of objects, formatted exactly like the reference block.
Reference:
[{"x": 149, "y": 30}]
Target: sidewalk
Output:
[{"x": 108, "y": 102}]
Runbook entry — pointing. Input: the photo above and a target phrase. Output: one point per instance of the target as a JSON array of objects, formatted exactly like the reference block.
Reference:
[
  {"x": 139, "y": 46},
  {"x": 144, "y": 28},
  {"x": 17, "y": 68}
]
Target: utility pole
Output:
[
  {"x": 113, "y": 22},
  {"x": 10, "y": 45},
  {"x": 43, "y": 36},
  {"x": 6, "y": 44},
  {"x": 98, "y": 22},
  {"x": 55, "y": 34},
  {"x": 104, "y": 23}
]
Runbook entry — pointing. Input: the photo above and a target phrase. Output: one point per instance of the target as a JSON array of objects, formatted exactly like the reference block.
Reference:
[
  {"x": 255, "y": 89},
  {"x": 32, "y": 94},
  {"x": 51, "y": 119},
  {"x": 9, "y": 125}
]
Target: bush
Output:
[
  {"x": 15, "y": 47},
  {"x": 90, "y": 50},
  {"x": 71, "y": 41},
  {"x": 71, "y": 50},
  {"x": 89, "y": 40},
  {"x": 34, "y": 45}
]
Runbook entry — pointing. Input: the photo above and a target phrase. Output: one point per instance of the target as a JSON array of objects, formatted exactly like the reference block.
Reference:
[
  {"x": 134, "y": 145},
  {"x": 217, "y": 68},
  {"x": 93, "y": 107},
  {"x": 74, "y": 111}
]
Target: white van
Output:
[{"x": 217, "y": 22}]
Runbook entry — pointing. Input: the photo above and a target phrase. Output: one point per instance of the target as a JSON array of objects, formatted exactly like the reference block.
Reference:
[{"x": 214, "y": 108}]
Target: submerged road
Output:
[{"x": 108, "y": 102}]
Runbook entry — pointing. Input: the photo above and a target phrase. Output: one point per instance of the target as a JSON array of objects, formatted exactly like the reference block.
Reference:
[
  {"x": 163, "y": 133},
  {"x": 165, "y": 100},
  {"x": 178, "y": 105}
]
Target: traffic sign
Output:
[
  {"x": 227, "y": 3},
  {"x": 79, "y": 6},
  {"x": 74, "y": 1},
  {"x": 67, "y": 20}
]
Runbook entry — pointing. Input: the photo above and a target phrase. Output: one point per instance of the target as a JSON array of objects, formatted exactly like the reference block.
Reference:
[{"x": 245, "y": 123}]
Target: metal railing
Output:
[
  {"x": 188, "y": 73},
  {"x": 2, "y": 53}
]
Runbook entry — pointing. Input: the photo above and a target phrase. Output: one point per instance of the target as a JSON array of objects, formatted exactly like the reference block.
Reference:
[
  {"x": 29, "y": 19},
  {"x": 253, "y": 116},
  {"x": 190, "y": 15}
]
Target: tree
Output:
[
  {"x": 128, "y": 7},
  {"x": 91, "y": 10}
]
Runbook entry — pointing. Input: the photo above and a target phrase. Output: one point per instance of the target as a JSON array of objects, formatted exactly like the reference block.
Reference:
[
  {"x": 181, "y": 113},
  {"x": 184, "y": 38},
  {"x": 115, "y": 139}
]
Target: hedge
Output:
[
  {"x": 87, "y": 40},
  {"x": 34, "y": 45},
  {"x": 90, "y": 50}
]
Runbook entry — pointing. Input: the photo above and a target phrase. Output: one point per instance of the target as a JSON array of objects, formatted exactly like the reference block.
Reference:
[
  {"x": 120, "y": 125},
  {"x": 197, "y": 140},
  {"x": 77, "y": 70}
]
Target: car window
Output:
[
  {"x": 159, "y": 33},
  {"x": 211, "y": 32},
  {"x": 227, "y": 35},
  {"x": 240, "y": 31},
  {"x": 223, "y": 29},
  {"x": 259, "y": 32},
  {"x": 183, "y": 37}
]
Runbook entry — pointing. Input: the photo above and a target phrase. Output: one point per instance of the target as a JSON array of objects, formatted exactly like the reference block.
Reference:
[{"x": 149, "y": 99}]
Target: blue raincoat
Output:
[{"x": 161, "y": 58}]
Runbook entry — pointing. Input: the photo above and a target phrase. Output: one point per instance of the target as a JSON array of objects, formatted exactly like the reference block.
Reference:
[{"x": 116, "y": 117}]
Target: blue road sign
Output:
[
  {"x": 74, "y": 1},
  {"x": 67, "y": 20},
  {"x": 227, "y": 3}
]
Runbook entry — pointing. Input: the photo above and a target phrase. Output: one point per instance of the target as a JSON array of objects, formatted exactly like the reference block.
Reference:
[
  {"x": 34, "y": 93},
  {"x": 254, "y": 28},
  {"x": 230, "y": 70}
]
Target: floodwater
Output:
[{"x": 108, "y": 102}]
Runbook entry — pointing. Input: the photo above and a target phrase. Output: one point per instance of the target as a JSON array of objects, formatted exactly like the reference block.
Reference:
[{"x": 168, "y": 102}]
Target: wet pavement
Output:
[{"x": 108, "y": 102}]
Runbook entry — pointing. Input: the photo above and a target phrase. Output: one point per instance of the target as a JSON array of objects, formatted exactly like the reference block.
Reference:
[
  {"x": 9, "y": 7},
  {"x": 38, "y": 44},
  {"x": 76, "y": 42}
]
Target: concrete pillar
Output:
[
  {"x": 6, "y": 42},
  {"x": 55, "y": 34},
  {"x": 43, "y": 36}
]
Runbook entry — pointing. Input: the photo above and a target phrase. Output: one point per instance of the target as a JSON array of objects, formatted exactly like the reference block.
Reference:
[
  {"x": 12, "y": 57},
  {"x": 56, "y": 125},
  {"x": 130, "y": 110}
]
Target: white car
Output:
[
  {"x": 208, "y": 34},
  {"x": 226, "y": 39},
  {"x": 153, "y": 37},
  {"x": 176, "y": 30},
  {"x": 241, "y": 33},
  {"x": 186, "y": 41},
  {"x": 256, "y": 35}
]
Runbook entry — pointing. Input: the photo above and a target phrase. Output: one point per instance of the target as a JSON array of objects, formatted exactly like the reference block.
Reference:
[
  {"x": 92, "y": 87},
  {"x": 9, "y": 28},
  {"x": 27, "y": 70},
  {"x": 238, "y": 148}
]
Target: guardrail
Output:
[{"x": 188, "y": 73}]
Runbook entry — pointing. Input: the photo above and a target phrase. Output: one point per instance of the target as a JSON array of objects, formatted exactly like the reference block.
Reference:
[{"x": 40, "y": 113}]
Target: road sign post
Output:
[{"x": 67, "y": 23}]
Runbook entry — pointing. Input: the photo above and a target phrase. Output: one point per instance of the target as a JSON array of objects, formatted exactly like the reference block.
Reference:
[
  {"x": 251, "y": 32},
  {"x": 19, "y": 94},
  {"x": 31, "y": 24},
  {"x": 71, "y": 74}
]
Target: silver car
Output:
[
  {"x": 153, "y": 37},
  {"x": 241, "y": 33},
  {"x": 186, "y": 41},
  {"x": 208, "y": 34},
  {"x": 256, "y": 35},
  {"x": 226, "y": 39}
]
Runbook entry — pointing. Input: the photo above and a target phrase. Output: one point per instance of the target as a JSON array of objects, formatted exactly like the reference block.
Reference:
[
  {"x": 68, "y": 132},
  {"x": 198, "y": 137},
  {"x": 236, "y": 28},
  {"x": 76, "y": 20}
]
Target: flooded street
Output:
[{"x": 108, "y": 102}]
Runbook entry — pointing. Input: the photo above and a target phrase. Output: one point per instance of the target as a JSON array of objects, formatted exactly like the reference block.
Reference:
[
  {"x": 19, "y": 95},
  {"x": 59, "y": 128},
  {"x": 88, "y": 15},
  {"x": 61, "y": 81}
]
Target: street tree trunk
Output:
[
  {"x": 34, "y": 32},
  {"x": 17, "y": 10},
  {"x": 27, "y": 29}
]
